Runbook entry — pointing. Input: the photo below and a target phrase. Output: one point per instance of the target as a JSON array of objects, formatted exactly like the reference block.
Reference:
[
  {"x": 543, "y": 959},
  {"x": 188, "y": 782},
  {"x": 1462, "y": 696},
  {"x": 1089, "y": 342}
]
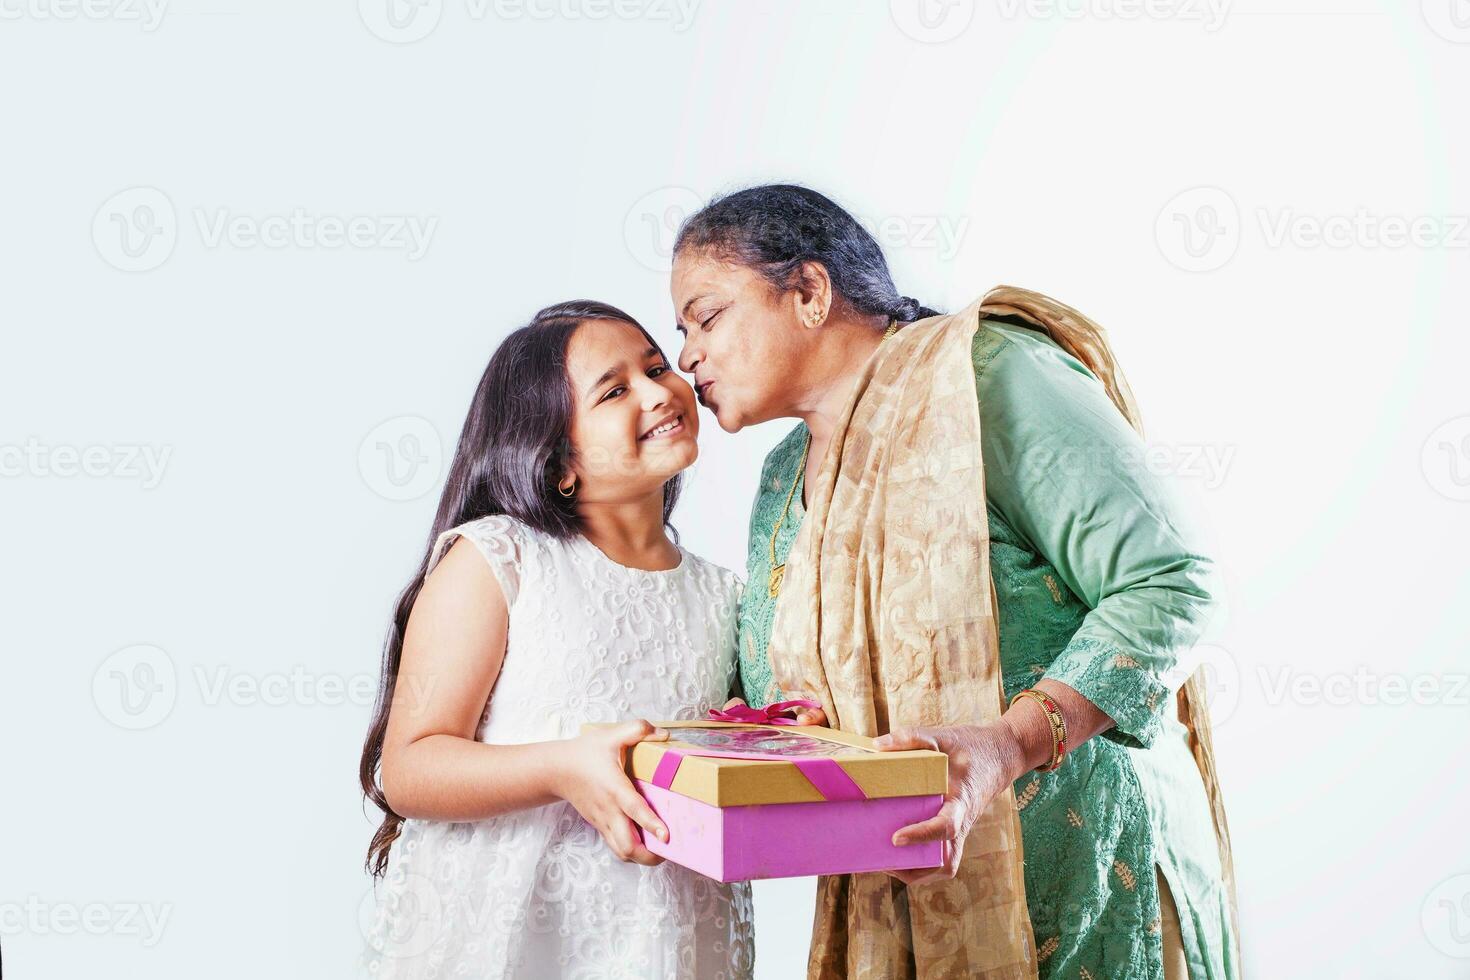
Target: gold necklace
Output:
[{"x": 778, "y": 572}]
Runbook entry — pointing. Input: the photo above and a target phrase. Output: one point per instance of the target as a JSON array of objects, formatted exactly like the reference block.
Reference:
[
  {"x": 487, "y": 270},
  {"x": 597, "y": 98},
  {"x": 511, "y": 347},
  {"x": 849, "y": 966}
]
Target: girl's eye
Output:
[
  {"x": 657, "y": 370},
  {"x": 613, "y": 392}
]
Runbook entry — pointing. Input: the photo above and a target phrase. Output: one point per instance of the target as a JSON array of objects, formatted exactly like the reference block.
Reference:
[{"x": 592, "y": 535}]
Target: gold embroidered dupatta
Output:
[{"x": 887, "y": 617}]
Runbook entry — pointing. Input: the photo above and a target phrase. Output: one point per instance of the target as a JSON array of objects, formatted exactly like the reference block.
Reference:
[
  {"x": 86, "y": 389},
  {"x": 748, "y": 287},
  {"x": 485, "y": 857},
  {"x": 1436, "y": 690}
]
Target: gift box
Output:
[{"x": 744, "y": 801}]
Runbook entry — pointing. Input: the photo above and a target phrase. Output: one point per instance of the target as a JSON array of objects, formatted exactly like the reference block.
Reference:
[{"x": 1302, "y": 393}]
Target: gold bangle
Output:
[{"x": 1055, "y": 719}]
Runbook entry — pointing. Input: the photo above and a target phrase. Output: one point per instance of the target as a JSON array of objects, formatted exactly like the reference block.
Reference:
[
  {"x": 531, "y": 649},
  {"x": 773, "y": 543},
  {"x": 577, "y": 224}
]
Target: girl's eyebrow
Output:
[{"x": 611, "y": 372}]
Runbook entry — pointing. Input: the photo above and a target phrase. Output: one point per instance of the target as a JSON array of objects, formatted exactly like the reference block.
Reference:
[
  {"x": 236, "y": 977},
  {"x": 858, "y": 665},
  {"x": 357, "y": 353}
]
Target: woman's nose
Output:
[{"x": 688, "y": 357}]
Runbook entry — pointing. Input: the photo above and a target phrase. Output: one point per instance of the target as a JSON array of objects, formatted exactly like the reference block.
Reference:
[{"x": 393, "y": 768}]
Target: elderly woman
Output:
[{"x": 959, "y": 548}]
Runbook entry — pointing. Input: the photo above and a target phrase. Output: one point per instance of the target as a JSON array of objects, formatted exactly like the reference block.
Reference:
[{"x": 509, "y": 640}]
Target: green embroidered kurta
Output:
[{"x": 1101, "y": 585}]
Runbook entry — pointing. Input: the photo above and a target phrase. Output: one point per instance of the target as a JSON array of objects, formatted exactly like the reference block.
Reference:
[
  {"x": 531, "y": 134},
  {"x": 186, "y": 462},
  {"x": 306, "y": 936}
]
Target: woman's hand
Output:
[
  {"x": 983, "y": 761},
  {"x": 804, "y": 716},
  {"x": 591, "y": 778}
]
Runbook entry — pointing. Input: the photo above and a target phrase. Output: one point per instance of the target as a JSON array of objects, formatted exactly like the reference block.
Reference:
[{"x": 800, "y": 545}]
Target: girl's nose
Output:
[{"x": 651, "y": 394}]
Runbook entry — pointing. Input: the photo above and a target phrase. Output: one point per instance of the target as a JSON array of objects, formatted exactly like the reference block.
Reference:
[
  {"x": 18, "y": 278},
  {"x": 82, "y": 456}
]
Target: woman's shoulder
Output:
[{"x": 1006, "y": 346}]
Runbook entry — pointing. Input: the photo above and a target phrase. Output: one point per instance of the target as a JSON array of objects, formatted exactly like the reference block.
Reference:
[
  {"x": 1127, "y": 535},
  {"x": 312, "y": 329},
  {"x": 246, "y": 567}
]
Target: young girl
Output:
[{"x": 551, "y": 596}]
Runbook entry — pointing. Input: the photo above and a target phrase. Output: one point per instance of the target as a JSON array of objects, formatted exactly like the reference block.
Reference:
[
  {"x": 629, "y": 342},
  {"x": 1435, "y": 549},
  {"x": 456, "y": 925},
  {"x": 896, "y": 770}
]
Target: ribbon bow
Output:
[{"x": 779, "y": 713}]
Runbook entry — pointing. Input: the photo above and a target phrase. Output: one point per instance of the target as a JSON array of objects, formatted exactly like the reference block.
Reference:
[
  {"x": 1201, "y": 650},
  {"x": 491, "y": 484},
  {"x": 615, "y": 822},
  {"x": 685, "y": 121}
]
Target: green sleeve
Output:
[{"x": 1067, "y": 472}]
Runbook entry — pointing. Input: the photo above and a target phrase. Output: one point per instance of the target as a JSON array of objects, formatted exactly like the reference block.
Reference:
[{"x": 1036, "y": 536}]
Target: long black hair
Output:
[
  {"x": 774, "y": 228},
  {"x": 512, "y": 452}
]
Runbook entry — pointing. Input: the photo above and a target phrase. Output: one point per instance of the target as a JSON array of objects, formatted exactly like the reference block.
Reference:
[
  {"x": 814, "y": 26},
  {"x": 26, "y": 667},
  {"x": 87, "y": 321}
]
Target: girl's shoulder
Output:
[
  {"x": 716, "y": 579},
  {"x": 511, "y": 547}
]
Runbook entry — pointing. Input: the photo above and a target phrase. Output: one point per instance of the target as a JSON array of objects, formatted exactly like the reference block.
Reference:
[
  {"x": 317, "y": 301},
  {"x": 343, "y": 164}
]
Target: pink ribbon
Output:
[
  {"x": 829, "y": 779},
  {"x": 780, "y": 713}
]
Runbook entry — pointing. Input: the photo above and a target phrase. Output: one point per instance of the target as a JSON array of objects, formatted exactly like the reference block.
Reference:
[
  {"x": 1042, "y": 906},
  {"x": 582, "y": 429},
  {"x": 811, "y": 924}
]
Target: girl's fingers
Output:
[
  {"x": 633, "y": 732},
  {"x": 637, "y": 809}
]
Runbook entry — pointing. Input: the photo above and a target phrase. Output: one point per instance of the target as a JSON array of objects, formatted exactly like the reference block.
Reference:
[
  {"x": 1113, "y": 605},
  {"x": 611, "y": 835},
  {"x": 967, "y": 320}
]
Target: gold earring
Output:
[
  {"x": 568, "y": 492},
  {"x": 815, "y": 318}
]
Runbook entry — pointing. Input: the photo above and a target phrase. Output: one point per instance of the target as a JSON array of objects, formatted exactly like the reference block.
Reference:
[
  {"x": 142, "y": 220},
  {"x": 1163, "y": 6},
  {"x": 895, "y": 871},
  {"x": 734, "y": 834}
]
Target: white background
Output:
[{"x": 1160, "y": 167}]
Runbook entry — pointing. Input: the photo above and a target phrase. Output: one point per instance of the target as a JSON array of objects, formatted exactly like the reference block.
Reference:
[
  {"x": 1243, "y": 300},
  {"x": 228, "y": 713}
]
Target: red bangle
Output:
[{"x": 1055, "y": 719}]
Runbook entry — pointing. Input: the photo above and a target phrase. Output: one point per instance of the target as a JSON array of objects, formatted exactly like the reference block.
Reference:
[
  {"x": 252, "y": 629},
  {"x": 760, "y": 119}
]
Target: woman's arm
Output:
[
  {"x": 433, "y": 768},
  {"x": 1068, "y": 473}
]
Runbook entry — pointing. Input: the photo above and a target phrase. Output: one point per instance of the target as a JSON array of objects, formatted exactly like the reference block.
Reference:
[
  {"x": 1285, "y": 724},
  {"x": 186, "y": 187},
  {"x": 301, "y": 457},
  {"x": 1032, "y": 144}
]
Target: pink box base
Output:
[{"x": 790, "y": 840}]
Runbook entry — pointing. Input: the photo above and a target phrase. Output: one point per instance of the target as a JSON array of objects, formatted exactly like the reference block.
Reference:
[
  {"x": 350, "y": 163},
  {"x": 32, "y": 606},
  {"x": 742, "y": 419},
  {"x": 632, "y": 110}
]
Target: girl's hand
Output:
[
  {"x": 591, "y": 778},
  {"x": 983, "y": 761},
  {"x": 804, "y": 716}
]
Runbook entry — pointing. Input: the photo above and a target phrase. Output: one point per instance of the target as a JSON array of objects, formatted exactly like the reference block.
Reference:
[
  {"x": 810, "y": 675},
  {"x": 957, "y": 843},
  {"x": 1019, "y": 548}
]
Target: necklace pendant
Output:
[{"x": 773, "y": 586}]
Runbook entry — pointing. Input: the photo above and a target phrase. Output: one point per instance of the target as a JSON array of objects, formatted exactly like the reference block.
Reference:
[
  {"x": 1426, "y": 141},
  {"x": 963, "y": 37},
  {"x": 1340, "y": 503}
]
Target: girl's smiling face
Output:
[{"x": 634, "y": 420}]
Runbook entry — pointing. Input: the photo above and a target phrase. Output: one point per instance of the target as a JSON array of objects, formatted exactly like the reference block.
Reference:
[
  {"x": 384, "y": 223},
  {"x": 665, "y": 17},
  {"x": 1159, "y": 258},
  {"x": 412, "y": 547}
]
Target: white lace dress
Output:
[{"x": 537, "y": 893}]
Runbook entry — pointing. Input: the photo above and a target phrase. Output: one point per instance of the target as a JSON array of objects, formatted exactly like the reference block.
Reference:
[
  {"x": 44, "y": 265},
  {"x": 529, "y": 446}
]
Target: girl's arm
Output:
[{"x": 434, "y": 769}]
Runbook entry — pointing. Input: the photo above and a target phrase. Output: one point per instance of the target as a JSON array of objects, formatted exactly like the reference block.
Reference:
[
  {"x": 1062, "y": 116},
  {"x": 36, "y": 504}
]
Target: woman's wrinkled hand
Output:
[
  {"x": 983, "y": 761},
  {"x": 591, "y": 778},
  {"x": 804, "y": 716}
]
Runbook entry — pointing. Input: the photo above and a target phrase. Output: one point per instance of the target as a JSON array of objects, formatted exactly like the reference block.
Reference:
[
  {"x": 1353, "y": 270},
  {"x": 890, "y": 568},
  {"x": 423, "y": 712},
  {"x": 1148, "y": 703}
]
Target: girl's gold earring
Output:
[{"x": 570, "y": 491}]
